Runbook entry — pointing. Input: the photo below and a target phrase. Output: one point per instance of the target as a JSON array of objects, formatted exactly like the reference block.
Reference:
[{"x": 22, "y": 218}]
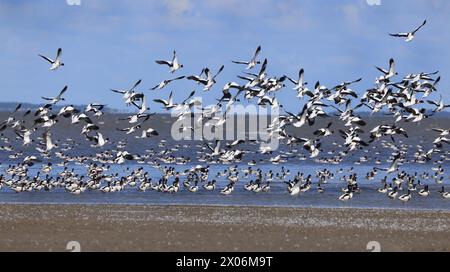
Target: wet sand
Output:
[{"x": 200, "y": 228}]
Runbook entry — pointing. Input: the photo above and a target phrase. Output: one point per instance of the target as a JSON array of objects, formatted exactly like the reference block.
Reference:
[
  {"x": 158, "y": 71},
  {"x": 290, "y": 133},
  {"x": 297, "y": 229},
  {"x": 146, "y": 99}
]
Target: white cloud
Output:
[
  {"x": 374, "y": 2},
  {"x": 73, "y": 2},
  {"x": 177, "y": 8}
]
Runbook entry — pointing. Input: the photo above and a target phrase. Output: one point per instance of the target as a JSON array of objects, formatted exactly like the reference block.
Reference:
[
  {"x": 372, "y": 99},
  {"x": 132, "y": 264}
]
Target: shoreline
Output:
[
  {"x": 219, "y": 228},
  {"x": 406, "y": 209}
]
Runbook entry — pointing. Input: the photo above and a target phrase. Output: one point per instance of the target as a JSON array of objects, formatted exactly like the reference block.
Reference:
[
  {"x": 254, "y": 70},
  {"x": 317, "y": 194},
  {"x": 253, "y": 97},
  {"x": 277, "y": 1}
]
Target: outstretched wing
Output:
[
  {"x": 117, "y": 91},
  {"x": 160, "y": 101},
  {"x": 177, "y": 78},
  {"x": 291, "y": 80},
  {"x": 417, "y": 29},
  {"x": 189, "y": 97},
  {"x": 58, "y": 54},
  {"x": 433, "y": 103},
  {"x": 218, "y": 72},
  {"x": 403, "y": 35},
  {"x": 240, "y": 62},
  {"x": 154, "y": 88},
  {"x": 136, "y": 84},
  {"x": 18, "y": 107},
  {"x": 47, "y": 59},
  {"x": 198, "y": 79},
  {"x": 381, "y": 70},
  {"x": 257, "y": 52},
  {"x": 63, "y": 91},
  {"x": 164, "y": 62}
]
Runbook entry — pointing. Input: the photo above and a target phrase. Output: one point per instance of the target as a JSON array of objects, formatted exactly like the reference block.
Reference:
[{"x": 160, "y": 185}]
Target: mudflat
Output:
[{"x": 217, "y": 228}]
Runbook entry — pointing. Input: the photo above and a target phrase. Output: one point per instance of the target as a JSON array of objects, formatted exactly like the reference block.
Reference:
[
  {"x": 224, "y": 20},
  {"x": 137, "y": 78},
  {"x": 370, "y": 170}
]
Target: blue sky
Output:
[{"x": 111, "y": 44}]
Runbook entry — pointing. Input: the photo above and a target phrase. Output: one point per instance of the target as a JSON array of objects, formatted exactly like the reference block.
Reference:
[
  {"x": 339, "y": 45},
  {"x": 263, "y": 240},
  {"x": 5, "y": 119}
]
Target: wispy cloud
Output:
[{"x": 177, "y": 8}]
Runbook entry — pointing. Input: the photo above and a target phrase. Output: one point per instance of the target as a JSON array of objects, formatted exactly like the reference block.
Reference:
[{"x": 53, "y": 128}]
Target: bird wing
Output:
[
  {"x": 123, "y": 129},
  {"x": 438, "y": 130},
  {"x": 118, "y": 91},
  {"x": 291, "y": 80},
  {"x": 156, "y": 87},
  {"x": 417, "y": 29},
  {"x": 164, "y": 62},
  {"x": 240, "y": 62},
  {"x": 218, "y": 72},
  {"x": 161, "y": 101},
  {"x": 136, "y": 84},
  {"x": 263, "y": 67},
  {"x": 381, "y": 70},
  {"x": 174, "y": 58},
  {"x": 190, "y": 95},
  {"x": 391, "y": 65},
  {"x": 18, "y": 107},
  {"x": 91, "y": 138},
  {"x": 47, "y": 59},
  {"x": 18, "y": 134},
  {"x": 245, "y": 78},
  {"x": 257, "y": 52},
  {"x": 399, "y": 35},
  {"x": 62, "y": 91},
  {"x": 177, "y": 78},
  {"x": 198, "y": 79},
  {"x": 58, "y": 54},
  {"x": 301, "y": 75},
  {"x": 433, "y": 103},
  {"x": 354, "y": 81}
]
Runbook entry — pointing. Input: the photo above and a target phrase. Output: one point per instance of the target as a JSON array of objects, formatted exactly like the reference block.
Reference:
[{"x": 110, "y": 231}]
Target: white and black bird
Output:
[
  {"x": 168, "y": 104},
  {"x": 440, "y": 106},
  {"x": 165, "y": 82},
  {"x": 390, "y": 72},
  {"x": 56, "y": 63},
  {"x": 409, "y": 36},
  {"x": 209, "y": 81},
  {"x": 174, "y": 65},
  {"x": 130, "y": 95},
  {"x": 300, "y": 84},
  {"x": 406, "y": 197},
  {"x": 98, "y": 139},
  {"x": 56, "y": 99},
  {"x": 147, "y": 133},
  {"x": 394, "y": 165},
  {"x": 252, "y": 63},
  {"x": 324, "y": 132}
]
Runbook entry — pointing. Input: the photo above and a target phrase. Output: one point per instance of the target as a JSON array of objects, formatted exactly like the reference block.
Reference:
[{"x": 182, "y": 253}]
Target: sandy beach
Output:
[{"x": 214, "y": 228}]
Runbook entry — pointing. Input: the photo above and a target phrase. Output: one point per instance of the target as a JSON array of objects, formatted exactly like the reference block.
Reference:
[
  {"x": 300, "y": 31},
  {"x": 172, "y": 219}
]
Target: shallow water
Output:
[{"x": 278, "y": 196}]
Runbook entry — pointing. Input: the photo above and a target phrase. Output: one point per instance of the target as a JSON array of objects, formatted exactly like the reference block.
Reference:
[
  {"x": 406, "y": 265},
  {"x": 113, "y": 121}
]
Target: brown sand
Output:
[{"x": 200, "y": 228}]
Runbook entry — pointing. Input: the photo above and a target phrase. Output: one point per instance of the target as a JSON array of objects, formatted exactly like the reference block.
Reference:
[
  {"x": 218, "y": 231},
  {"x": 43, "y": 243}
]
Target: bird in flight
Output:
[
  {"x": 56, "y": 99},
  {"x": 252, "y": 63},
  {"x": 55, "y": 63},
  {"x": 410, "y": 35},
  {"x": 173, "y": 65}
]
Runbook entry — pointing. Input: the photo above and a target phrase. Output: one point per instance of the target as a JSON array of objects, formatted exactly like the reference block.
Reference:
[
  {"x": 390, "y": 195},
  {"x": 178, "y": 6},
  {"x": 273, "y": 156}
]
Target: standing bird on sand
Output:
[
  {"x": 410, "y": 35},
  {"x": 55, "y": 63}
]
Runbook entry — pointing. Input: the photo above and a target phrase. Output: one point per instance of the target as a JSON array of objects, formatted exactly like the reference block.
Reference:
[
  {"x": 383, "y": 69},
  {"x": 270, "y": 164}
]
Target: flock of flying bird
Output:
[{"x": 402, "y": 99}]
